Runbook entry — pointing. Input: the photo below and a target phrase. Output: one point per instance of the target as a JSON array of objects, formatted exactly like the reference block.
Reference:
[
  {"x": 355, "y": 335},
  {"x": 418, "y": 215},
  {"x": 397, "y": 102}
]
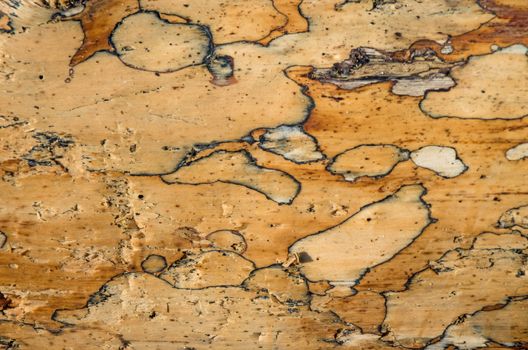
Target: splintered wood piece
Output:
[{"x": 420, "y": 85}]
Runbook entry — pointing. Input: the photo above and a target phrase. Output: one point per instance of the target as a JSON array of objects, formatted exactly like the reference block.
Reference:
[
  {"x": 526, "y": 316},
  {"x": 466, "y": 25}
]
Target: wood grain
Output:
[{"x": 264, "y": 174}]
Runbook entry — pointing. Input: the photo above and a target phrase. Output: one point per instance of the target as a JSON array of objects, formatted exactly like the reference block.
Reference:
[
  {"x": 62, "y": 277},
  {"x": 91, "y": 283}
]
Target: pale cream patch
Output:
[
  {"x": 440, "y": 159},
  {"x": 488, "y": 87}
]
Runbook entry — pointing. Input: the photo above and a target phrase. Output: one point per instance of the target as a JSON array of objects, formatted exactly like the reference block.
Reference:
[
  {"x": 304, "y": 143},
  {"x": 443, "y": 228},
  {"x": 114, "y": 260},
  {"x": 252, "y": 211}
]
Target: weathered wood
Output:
[{"x": 272, "y": 174}]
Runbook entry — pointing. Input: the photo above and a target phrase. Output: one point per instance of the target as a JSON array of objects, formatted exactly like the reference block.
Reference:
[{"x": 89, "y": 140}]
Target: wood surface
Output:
[{"x": 264, "y": 174}]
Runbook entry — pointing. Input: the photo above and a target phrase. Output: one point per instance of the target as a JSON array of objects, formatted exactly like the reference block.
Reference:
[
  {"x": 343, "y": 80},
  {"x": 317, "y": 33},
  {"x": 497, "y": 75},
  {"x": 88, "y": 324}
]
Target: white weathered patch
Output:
[
  {"x": 418, "y": 86},
  {"x": 292, "y": 143},
  {"x": 516, "y": 49},
  {"x": 440, "y": 159},
  {"x": 518, "y": 152},
  {"x": 72, "y": 11}
]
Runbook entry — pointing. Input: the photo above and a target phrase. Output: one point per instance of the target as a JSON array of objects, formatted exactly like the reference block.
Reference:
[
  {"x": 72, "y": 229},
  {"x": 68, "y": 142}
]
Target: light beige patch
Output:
[
  {"x": 228, "y": 240},
  {"x": 505, "y": 326},
  {"x": 488, "y": 87},
  {"x": 440, "y": 159},
  {"x": 468, "y": 278},
  {"x": 278, "y": 283},
  {"x": 143, "y": 309},
  {"x": 239, "y": 169},
  {"x": 366, "y": 239},
  {"x": 367, "y": 160},
  {"x": 515, "y": 217},
  {"x": 145, "y": 41},
  {"x": 212, "y": 268},
  {"x": 518, "y": 152}
]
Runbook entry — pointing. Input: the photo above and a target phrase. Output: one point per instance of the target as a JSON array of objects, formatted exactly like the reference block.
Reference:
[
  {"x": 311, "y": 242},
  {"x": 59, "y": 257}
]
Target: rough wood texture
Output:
[{"x": 264, "y": 174}]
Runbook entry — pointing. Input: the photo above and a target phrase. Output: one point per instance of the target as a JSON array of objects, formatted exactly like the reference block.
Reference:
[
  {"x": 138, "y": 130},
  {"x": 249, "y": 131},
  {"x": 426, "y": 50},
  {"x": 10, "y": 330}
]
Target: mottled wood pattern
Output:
[{"x": 264, "y": 174}]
